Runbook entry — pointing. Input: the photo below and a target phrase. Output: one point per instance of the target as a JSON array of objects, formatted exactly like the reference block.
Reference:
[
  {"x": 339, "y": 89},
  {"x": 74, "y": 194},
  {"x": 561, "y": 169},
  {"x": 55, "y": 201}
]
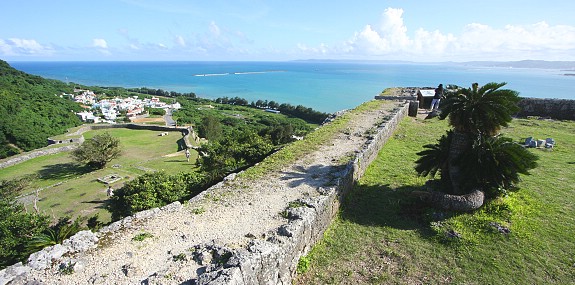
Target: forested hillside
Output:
[{"x": 31, "y": 110}]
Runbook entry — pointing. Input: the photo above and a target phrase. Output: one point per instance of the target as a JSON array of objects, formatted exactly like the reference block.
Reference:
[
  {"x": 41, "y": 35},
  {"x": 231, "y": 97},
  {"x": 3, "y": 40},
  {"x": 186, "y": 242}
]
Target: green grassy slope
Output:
[
  {"x": 31, "y": 110},
  {"x": 383, "y": 236}
]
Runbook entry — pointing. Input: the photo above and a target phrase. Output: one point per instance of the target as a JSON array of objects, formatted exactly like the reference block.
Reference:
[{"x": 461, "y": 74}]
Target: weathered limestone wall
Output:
[
  {"x": 33, "y": 154},
  {"x": 138, "y": 127},
  {"x": 79, "y": 140},
  {"x": 274, "y": 261},
  {"x": 80, "y": 242},
  {"x": 561, "y": 109},
  {"x": 270, "y": 261}
]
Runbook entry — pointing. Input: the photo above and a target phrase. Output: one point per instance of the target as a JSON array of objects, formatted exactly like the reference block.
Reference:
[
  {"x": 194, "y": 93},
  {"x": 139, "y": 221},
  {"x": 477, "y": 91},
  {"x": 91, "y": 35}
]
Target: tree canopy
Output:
[
  {"x": 480, "y": 109},
  {"x": 472, "y": 155},
  {"x": 154, "y": 190},
  {"x": 17, "y": 226},
  {"x": 31, "y": 110},
  {"x": 98, "y": 151}
]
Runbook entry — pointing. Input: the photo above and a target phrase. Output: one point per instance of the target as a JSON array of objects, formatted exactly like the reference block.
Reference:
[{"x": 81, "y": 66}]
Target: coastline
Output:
[{"x": 324, "y": 86}]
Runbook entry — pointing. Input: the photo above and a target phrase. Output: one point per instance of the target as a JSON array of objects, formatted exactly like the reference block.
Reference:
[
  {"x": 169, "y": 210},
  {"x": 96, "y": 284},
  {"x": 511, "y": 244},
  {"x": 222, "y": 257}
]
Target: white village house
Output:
[
  {"x": 111, "y": 108},
  {"x": 88, "y": 117}
]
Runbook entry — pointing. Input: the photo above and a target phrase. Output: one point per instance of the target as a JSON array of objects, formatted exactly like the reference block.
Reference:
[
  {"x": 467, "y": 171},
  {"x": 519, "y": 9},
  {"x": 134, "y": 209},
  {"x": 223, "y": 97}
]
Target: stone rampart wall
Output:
[
  {"x": 271, "y": 261},
  {"x": 560, "y": 109},
  {"x": 274, "y": 261}
]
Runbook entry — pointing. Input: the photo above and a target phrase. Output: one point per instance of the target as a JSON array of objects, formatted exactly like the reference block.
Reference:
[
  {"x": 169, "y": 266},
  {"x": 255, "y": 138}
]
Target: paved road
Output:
[{"x": 168, "y": 118}]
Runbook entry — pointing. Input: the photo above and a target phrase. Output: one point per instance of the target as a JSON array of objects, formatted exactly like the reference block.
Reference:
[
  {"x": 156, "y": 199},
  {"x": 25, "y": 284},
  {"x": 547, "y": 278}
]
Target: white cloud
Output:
[
  {"x": 390, "y": 39},
  {"x": 435, "y": 42},
  {"x": 218, "y": 41},
  {"x": 214, "y": 29},
  {"x": 390, "y": 36},
  {"x": 322, "y": 49},
  {"x": 180, "y": 41},
  {"x": 18, "y": 47},
  {"x": 539, "y": 36},
  {"x": 100, "y": 43},
  {"x": 393, "y": 29}
]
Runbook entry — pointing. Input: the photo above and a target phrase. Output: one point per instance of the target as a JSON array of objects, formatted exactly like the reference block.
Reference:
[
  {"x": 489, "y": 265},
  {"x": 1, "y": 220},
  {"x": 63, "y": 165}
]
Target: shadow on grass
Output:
[
  {"x": 63, "y": 171},
  {"x": 385, "y": 206},
  {"x": 101, "y": 204},
  {"x": 181, "y": 144}
]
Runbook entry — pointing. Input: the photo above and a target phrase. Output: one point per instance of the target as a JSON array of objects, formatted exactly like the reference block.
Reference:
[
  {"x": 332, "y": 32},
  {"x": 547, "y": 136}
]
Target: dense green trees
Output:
[
  {"x": 160, "y": 92},
  {"x": 236, "y": 150},
  {"x": 156, "y": 111},
  {"x": 210, "y": 128},
  {"x": 305, "y": 113},
  {"x": 154, "y": 190},
  {"x": 31, "y": 110},
  {"x": 472, "y": 156},
  {"x": 98, "y": 151},
  {"x": 17, "y": 226},
  {"x": 308, "y": 114},
  {"x": 238, "y": 136}
]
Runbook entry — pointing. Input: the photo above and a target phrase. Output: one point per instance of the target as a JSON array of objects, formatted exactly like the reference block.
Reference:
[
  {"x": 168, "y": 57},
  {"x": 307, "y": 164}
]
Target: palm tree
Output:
[
  {"x": 480, "y": 109},
  {"x": 471, "y": 156},
  {"x": 55, "y": 234}
]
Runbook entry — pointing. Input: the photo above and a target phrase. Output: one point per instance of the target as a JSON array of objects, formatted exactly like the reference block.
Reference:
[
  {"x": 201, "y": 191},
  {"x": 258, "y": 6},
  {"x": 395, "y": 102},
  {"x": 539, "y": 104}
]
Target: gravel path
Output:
[{"x": 230, "y": 215}]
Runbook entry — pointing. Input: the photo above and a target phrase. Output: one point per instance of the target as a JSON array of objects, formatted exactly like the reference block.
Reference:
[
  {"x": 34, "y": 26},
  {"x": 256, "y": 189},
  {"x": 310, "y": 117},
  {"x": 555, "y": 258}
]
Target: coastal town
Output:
[{"x": 108, "y": 110}]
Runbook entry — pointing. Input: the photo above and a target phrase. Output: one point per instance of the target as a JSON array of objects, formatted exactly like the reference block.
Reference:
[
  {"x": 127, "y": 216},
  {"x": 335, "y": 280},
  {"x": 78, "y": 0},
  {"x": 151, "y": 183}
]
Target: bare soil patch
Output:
[{"x": 147, "y": 120}]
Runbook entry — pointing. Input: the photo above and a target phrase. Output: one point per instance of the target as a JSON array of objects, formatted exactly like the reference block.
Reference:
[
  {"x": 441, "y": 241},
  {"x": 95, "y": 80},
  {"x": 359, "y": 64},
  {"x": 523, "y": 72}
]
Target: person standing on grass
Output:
[
  {"x": 110, "y": 191},
  {"x": 437, "y": 97},
  {"x": 188, "y": 154}
]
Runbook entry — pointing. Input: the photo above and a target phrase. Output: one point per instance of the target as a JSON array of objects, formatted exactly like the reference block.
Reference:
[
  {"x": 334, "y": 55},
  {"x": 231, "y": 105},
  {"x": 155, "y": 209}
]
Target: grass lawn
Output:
[
  {"x": 382, "y": 235},
  {"x": 70, "y": 189}
]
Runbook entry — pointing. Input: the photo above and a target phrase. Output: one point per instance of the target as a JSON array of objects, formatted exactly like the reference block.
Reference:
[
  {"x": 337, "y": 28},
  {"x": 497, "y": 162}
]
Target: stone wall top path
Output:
[{"x": 231, "y": 220}]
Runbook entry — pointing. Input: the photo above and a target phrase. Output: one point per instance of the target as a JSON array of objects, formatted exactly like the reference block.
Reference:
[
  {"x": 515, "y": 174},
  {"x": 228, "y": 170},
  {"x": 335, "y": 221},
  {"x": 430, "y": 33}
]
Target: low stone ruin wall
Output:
[
  {"x": 33, "y": 154},
  {"x": 139, "y": 127},
  {"x": 188, "y": 133},
  {"x": 560, "y": 109},
  {"x": 79, "y": 140}
]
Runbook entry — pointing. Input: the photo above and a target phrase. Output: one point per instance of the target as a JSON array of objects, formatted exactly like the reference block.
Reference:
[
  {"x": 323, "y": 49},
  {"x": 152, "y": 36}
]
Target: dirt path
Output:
[{"x": 231, "y": 215}]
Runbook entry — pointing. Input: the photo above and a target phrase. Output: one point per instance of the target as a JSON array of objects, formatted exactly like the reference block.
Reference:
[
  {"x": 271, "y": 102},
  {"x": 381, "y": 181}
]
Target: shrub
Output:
[
  {"x": 55, "y": 234},
  {"x": 16, "y": 224},
  {"x": 98, "y": 151},
  {"x": 154, "y": 190}
]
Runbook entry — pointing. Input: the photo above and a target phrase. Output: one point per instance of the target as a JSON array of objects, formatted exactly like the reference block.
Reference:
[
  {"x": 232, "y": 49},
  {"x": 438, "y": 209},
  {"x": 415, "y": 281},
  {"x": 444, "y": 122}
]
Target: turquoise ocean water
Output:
[{"x": 324, "y": 86}]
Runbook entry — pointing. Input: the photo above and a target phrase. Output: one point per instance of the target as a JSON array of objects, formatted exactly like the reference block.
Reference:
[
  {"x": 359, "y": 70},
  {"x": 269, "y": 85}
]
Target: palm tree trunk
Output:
[
  {"x": 459, "y": 143},
  {"x": 460, "y": 203}
]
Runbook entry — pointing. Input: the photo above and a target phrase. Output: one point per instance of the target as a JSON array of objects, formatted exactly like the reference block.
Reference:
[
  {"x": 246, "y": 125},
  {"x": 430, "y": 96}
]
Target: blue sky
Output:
[{"x": 243, "y": 30}]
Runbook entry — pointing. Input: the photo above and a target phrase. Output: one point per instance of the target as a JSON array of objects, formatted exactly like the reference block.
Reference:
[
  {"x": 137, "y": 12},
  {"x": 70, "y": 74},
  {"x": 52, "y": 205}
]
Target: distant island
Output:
[{"x": 542, "y": 64}]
